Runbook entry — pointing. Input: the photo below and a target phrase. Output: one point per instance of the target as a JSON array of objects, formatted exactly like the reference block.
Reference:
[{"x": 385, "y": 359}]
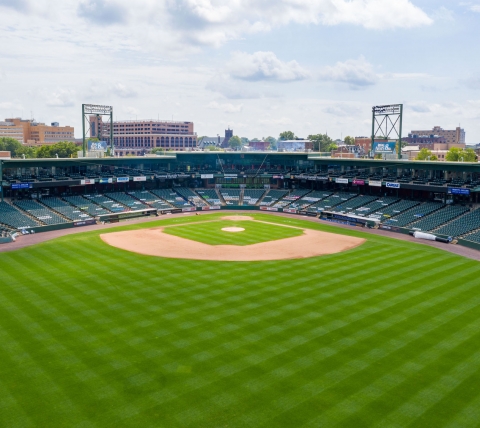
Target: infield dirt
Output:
[{"x": 154, "y": 242}]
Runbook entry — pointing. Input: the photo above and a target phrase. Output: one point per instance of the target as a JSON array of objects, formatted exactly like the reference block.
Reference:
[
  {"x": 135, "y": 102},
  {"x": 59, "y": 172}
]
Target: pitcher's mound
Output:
[{"x": 233, "y": 229}]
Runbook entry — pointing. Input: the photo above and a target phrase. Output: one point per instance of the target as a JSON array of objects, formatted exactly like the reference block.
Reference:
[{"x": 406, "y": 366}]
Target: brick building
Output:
[{"x": 33, "y": 133}]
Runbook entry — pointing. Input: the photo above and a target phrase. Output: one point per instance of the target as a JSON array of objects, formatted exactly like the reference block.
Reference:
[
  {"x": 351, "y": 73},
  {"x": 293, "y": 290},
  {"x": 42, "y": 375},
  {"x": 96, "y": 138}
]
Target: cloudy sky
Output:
[{"x": 257, "y": 66}]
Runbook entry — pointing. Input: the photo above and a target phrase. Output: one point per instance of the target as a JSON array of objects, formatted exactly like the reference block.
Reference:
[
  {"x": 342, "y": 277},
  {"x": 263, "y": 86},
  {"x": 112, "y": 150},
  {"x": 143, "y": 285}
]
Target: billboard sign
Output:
[
  {"x": 392, "y": 185},
  {"x": 458, "y": 191},
  {"x": 384, "y": 147},
  {"x": 123, "y": 179},
  {"x": 341, "y": 180},
  {"x": 141, "y": 178},
  {"x": 105, "y": 180},
  {"x": 100, "y": 146},
  {"x": 375, "y": 183},
  {"x": 21, "y": 185},
  {"x": 87, "y": 181},
  {"x": 359, "y": 182},
  {"x": 206, "y": 176}
]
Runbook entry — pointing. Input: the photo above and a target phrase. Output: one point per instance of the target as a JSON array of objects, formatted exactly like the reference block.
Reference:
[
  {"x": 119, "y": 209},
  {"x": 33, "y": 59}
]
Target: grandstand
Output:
[
  {"x": 40, "y": 212},
  {"x": 272, "y": 196},
  {"x": 231, "y": 196},
  {"x": 440, "y": 217},
  {"x": 11, "y": 216},
  {"x": 173, "y": 198},
  {"x": 191, "y": 197},
  {"x": 354, "y": 203},
  {"x": 291, "y": 197},
  {"x": 152, "y": 200},
  {"x": 465, "y": 224},
  {"x": 414, "y": 214},
  {"x": 374, "y": 206},
  {"x": 252, "y": 196},
  {"x": 107, "y": 203},
  {"x": 126, "y": 200},
  {"x": 330, "y": 202},
  {"x": 309, "y": 199},
  {"x": 65, "y": 209},
  {"x": 86, "y": 205},
  {"x": 210, "y": 195}
]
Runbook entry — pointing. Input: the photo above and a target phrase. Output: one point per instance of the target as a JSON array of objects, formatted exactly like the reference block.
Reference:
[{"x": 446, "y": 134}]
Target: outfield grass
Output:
[
  {"x": 384, "y": 335},
  {"x": 211, "y": 232}
]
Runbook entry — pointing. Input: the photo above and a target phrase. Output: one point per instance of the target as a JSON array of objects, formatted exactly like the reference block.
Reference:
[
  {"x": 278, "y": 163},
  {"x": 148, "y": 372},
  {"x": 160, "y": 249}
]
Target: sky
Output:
[{"x": 259, "y": 67}]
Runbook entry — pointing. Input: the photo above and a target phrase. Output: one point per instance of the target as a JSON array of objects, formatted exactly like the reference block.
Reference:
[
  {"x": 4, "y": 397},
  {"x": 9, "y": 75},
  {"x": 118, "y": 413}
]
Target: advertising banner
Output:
[
  {"x": 105, "y": 180},
  {"x": 230, "y": 175},
  {"x": 141, "y": 178},
  {"x": 322, "y": 178},
  {"x": 97, "y": 146},
  {"x": 359, "y": 182},
  {"x": 458, "y": 191},
  {"x": 268, "y": 209},
  {"x": 206, "y": 176},
  {"x": 188, "y": 209},
  {"x": 278, "y": 177},
  {"x": 384, "y": 147},
  {"x": 84, "y": 223},
  {"x": 375, "y": 183},
  {"x": 392, "y": 185},
  {"x": 122, "y": 179},
  {"x": 341, "y": 180},
  {"x": 312, "y": 178},
  {"x": 289, "y": 210},
  {"x": 21, "y": 185},
  {"x": 87, "y": 181}
]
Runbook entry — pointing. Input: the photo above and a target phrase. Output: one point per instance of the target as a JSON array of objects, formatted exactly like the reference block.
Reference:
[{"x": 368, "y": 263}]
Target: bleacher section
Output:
[
  {"x": 404, "y": 219},
  {"x": 11, "y": 216},
  {"x": 72, "y": 213},
  {"x": 152, "y": 200},
  {"x": 107, "y": 203},
  {"x": 40, "y": 212},
  {"x": 173, "y": 198},
  {"x": 272, "y": 197},
  {"x": 393, "y": 209},
  {"x": 231, "y": 196},
  {"x": 473, "y": 237},
  {"x": 126, "y": 199},
  {"x": 309, "y": 199},
  {"x": 191, "y": 196},
  {"x": 442, "y": 216},
  {"x": 353, "y": 203},
  {"x": 252, "y": 196},
  {"x": 210, "y": 195},
  {"x": 331, "y": 201},
  {"x": 462, "y": 225},
  {"x": 291, "y": 197},
  {"x": 368, "y": 210},
  {"x": 86, "y": 205}
]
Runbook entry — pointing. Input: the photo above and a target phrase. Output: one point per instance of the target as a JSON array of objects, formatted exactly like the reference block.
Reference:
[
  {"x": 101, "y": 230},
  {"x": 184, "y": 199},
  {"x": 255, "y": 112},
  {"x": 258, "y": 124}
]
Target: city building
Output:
[
  {"x": 454, "y": 136},
  {"x": 9, "y": 129},
  {"x": 138, "y": 137},
  {"x": 259, "y": 145},
  {"x": 37, "y": 133},
  {"x": 228, "y": 135},
  {"x": 294, "y": 145},
  {"x": 425, "y": 141},
  {"x": 209, "y": 141}
]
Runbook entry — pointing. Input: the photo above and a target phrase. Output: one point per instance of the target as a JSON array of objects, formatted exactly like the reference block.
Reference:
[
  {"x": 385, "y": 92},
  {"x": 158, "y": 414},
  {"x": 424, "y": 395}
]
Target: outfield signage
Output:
[
  {"x": 87, "y": 181},
  {"x": 375, "y": 183},
  {"x": 391, "y": 185},
  {"x": 141, "y": 178},
  {"x": 458, "y": 191},
  {"x": 84, "y": 222},
  {"x": 384, "y": 147},
  {"x": 105, "y": 180},
  {"x": 188, "y": 209},
  {"x": 268, "y": 209},
  {"x": 359, "y": 182},
  {"x": 206, "y": 176},
  {"x": 123, "y": 179},
  {"x": 290, "y": 210},
  {"x": 341, "y": 180},
  {"x": 21, "y": 185}
]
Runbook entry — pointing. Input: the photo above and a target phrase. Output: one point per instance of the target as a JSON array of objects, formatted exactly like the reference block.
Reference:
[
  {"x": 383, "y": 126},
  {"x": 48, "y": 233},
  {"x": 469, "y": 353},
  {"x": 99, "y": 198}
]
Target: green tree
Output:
[
  {"x": 469, "y": 155},
  {"x": 43, "y": 152},
  {"x": 157, "y": 150},
  {"x": 458, "y": 155},
  {"x": 213, "y": 148},
  {"x": 272, "y": 141},
  {"x": 255, "y": 139},
  {"x": 64, "y": 149},
  {"x": 350, "y": 141},
  {"x": 425, "y": 154},
  {"x": 235, "y": 142},
  {"x": 11, "y": 145},
  {"x": 245, "y": 140},
  {"x": 28, "y": 152},
  {"x": 286, "y": 135},
  {"x": 322, "y": 143}
]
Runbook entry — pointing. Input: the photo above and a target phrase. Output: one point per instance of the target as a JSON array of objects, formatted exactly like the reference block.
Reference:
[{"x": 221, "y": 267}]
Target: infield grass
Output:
[
  {"x": 211, "y": 232},
  {"x": 384, "y": 335}
]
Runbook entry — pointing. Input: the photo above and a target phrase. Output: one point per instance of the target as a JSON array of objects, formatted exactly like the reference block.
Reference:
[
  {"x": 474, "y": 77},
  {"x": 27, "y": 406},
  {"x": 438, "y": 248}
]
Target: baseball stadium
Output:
[{"x": 231, "y": 289}]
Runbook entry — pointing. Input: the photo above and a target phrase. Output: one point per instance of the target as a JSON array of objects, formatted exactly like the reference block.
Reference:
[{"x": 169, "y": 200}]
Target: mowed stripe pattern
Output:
[{"x": 383, "y": 335}]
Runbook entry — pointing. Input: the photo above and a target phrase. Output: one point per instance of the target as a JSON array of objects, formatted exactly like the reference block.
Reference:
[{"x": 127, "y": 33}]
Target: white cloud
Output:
[
  {"x": 276, "y": 121},
  {"x": 264, "y": 66},
  {"x": 224, "y": 85},
  {"x": 61, "y": 98},
  {"x": 475, "y": 8},
  {"x": 356, "y": 73},
  {"x": 123, "y": 91},
  {"x": 227, "y": 107}
]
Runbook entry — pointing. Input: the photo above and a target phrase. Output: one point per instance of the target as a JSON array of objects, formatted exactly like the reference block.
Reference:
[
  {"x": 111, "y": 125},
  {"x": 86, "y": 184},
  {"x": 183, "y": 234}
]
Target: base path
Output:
[{"x": 153, "y": 242}]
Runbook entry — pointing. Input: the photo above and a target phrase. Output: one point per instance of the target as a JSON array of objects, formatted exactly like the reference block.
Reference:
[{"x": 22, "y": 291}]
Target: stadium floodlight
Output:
[
  {"x": 387, "y": 121},
  {"x": 97, "y": 110}
]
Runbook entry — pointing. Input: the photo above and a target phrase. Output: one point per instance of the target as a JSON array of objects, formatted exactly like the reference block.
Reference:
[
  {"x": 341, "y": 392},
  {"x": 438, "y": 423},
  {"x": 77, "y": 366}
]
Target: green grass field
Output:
[
  {"x": 211, "y": 232},
  {"x": 384, "y": 335}
]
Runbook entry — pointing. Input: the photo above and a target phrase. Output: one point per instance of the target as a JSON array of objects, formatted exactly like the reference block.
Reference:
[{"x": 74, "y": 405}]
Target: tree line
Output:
[{"x": 62, "y": 149}]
